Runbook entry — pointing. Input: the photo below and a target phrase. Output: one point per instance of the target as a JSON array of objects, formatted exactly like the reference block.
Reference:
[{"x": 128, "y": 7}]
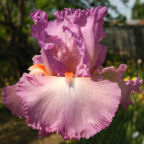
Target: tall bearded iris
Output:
[{"x": 67, "y": 91}]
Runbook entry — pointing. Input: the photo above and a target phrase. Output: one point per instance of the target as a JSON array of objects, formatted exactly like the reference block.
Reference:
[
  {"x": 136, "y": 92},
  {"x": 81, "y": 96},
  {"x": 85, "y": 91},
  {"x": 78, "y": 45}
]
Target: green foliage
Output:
[{"x": 138, "y": 10}]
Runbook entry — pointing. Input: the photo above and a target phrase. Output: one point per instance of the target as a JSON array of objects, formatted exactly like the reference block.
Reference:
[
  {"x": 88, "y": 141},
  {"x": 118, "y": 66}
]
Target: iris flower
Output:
[{"x": 67, "y": 91}]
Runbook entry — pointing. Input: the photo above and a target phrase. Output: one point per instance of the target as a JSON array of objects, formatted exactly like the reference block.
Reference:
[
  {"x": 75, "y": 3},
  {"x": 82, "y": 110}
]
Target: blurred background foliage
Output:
[
  {"x": 17, "y": 48},
  {"x": 138, "y": 10}
]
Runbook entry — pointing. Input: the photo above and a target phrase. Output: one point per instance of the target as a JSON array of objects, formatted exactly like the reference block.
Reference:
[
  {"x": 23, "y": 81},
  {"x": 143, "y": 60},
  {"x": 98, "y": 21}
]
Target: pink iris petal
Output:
[
  {"x": 38, "y": 15},
  {"x": 101, "y": 55},
  {"x": 80, "y": 109},
  {"x": 12, "y": 102},
  {"x": 50, "y": 60},
  {"x": 73, "y": 57},
  {"x": 40, "y": 23},
  {"x": 93, "y": 33},
  {"x": 80, "y": 31},
  {"x": 37, "y": 30},
  {"x": 127, "y": 87},
  {"x": 82, "y": 68},
  {"x": 37, "y": 59},
  {"x": 70, "y": 48},
  {"x": 90, "y": 23}
]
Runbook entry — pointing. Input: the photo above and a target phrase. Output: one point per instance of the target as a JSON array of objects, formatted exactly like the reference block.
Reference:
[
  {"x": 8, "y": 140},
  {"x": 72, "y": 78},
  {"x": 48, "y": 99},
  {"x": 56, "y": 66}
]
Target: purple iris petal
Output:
[
  {"x": 37, "y": 59},
  {"x": 12, "y": 101},
  {"x": 76, "y": 29},
  {"x": 116, "y": 75},
  {"x": 50, "y": 60}
]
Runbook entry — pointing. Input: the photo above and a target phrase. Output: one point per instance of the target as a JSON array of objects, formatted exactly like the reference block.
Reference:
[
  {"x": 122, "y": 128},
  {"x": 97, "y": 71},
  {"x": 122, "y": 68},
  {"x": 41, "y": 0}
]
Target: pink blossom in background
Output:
[{"x": 67, "y": 91}]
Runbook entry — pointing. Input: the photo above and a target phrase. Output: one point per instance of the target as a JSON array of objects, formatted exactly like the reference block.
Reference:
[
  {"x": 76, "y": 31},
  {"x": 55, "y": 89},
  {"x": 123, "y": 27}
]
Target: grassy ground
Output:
[{"x": 15, "y": 131}]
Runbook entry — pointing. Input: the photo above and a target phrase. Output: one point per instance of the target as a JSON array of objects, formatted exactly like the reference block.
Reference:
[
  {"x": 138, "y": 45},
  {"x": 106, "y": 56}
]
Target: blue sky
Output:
[{"x": 126, "y": 10}]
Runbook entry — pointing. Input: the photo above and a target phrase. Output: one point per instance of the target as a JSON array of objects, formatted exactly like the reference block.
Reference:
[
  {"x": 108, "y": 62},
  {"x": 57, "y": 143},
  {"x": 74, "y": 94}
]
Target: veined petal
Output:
[
  {"x": 70, "y": 48},
  {"x": 37, "y": 30},
  {"x": 73, "y": 107},
  {"x": 12, "y": 102},
  {"x": 100, "y": 56},
  {"x": 93, "y": 33},
  {"x": 40, "y": 23},
  {"x": 82, "y": 68},
  {"x": 90, "y": 24},
  {"x": 116, "y": 75},
  {"x": 77, "y": 33},
  {"x": 51, "y": 62},
  {"x": 38, "y": 15}
]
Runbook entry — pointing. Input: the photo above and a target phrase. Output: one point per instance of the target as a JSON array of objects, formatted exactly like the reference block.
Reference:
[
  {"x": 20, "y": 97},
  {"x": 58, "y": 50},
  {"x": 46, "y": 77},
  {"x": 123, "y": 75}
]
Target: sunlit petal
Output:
[
  {"x": 12, "y": 102},
  {"x": 75, "y": 109}
]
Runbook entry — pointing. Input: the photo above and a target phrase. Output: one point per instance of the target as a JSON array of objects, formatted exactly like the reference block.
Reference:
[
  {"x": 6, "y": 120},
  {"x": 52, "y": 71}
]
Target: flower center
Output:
[
  {"x": 69, "y": 78},
  {"x": 69, "y": 75}
]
